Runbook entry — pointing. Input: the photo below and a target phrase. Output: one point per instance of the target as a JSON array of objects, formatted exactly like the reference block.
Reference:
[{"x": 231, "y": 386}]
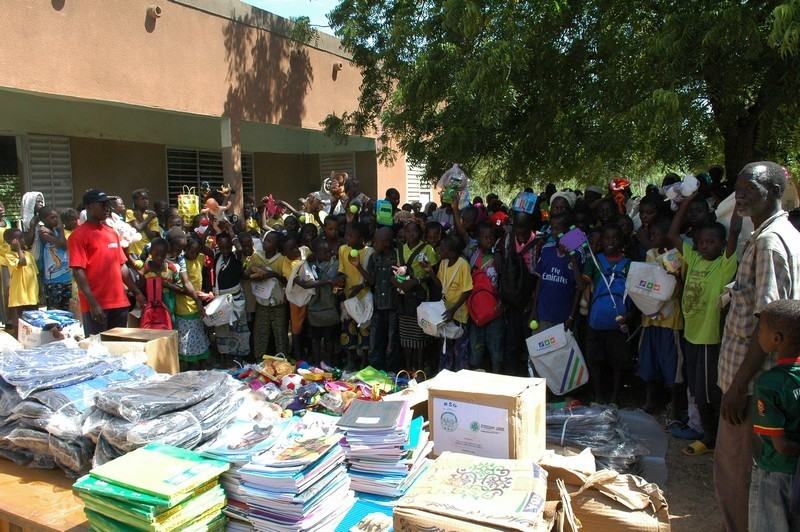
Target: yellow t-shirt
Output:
[
  {"x": 456, "y": 280},
  {"x": 352, "y": 277},
  {"x": 185, "y": 305},
  {"x": 4, "y": 248},
  {"x": 276, "y": 263},
  {"x": 674, "y": 320},
  {"x": 138, "y": 247},
  {"x": 23, "y": 285}
]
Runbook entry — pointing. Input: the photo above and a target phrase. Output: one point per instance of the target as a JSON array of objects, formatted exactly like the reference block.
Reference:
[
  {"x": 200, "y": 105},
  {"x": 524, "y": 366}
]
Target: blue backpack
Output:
[
  {"x": 608, "y": 298},
  {"x": 384, "y": 213}
]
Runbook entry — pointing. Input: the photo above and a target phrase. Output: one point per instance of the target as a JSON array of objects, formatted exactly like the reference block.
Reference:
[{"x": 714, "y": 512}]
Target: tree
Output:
[{"x": 541, "y": 90}]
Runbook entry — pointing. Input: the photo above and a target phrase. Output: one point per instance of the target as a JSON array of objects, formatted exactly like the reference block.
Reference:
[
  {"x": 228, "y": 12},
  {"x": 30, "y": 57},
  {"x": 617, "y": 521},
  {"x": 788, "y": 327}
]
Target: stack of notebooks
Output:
[
  {"x": 237, "y": 444},
  {"x": 156, "y": 488},
  {"x": 299, "y": 484},
  {"x": 386, "y": 449}
]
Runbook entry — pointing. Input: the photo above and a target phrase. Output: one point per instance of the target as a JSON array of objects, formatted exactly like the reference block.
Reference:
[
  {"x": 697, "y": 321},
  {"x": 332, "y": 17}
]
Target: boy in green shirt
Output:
[{"x": 776, "y": 421}]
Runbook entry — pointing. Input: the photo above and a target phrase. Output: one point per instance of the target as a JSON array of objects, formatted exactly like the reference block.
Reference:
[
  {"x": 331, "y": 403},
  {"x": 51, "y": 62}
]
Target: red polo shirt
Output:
[{"x": 96, "y": 249}]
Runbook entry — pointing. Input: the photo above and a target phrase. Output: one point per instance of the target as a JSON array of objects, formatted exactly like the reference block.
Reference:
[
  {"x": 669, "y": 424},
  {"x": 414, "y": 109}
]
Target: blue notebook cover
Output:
[{"x": 359, "y": 511}]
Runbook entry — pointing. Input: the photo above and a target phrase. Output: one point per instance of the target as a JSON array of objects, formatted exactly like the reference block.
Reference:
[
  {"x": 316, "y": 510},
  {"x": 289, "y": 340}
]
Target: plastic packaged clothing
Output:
[
  {"x": 73, "y": 456},
  {"x": 9, "y": 398},
  {"x": 151, "y": 399},
  {"x": 34, "y": 441}
]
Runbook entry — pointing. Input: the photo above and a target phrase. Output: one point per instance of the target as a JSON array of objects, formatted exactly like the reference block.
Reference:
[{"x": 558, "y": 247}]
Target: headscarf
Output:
[
  {"x": 28, "y": 207},
  {"x": 569, "y": 196}
]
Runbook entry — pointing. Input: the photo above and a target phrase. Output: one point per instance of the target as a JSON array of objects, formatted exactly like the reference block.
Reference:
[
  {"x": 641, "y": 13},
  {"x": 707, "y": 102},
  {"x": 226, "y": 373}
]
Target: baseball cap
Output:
[{"x": 94, "y": 196}]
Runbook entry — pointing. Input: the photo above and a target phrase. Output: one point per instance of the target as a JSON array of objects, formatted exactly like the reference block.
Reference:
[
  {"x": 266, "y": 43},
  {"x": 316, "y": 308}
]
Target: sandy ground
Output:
[{"x": 690, "y": 491}]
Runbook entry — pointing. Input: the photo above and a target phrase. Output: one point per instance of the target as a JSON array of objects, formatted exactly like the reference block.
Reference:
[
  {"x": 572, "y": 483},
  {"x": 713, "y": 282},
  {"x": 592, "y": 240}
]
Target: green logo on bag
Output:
[
  {"x": 474, "y": 426},
  {"x": 449, "y": 422}
]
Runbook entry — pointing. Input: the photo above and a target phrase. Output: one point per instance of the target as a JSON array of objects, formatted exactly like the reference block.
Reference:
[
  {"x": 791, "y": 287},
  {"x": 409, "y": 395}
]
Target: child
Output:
[
  {"x": 355, "y": 339},
  {"x": 157, "y": 265},
  {"x": 143, "y": 220},
  {"x": 455, "y": 281},
  {"x": 711, "y": 264},
  {"x": 776, "y": 422},
  {"x": 69, "y": 219},
  {"x": 295, "y": 256},
  {"x": 54, "y": 265},
  {"x": 414, "y": 289},
  {"x": 649, "y": 212},
  {"x": 251, "y": 224},
  {"x": 489, "y": 337},
  {"x": 23, "y": 285},
  {"x": 246, "y": 251},
  {"x": 433, "y": 236},
  {"x": 308, "y": 234},
  {"x": 556, "y": 297},
  {"x": 192, "y": 338},
  {"x": 698, "y": 215},
  {"x": 271, "y": 320},
  {"x": 331, "y": 233},
  {"x": 660, "y": 344},
  {"x": 466, "y": 224},
  {"x": 323, "y": 309},
  {"x": 608, "y": 353},
  {"x": 379, "y": 275},
  {"x": 232, "y": 339}
]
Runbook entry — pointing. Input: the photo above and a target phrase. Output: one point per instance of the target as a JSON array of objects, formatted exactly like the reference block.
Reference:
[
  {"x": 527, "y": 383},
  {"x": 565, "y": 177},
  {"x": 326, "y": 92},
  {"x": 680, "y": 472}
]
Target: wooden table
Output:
[{"x": 38, "y": 500}]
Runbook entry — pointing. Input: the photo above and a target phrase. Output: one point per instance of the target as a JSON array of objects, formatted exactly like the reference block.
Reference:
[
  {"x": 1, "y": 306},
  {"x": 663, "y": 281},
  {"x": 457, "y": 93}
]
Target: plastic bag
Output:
[
  {"x": 676, "y": 193},
  {"x": 181, "y": 429},
  {"x": 34, "y": 441},
  {"x": 73, "y": 456},
  {"x": 359, "y": 308},
  {"x": 151, "y": 399},
  {"x": 454, "y": 180}
]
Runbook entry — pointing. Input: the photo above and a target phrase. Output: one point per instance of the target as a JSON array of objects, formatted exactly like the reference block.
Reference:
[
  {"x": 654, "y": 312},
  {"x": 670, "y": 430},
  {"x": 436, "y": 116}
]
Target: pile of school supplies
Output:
[
  {"x": 386, "y": 449},
  {"x": 184, "y": 410},
  {"x": 299, "y": 484},
  {"x": 158, "y": 488}
]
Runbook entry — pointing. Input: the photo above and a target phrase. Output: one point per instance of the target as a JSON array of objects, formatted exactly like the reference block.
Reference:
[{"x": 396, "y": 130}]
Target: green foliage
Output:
[
  {"x": 11, "y": 195},
  {"x": 523, "y": 91},
  {"x": 786, "y": 28},
  {"x": 302, "y": 31}
]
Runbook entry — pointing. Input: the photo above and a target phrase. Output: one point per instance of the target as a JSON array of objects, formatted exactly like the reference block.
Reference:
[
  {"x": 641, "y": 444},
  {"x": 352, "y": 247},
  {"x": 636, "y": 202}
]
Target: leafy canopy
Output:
[{"x": 547, "y": 90}]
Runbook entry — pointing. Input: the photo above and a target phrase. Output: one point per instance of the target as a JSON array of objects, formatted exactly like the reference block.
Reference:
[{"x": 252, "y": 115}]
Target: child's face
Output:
[
  {"x": 433, "y": 236},
  {"x": 175, "y": 221},
  {"x": 558, "y": 227},
  {"x": 486, "y": 239},
  {"x": 647, "y": 214},
  {"x": 353, "y": 239},
  {"x": 309, "y": 234},
  {"x": 246, "y": 243},
  {"x": 412, "y": 234},
  {"x": 658, "y": 239},
  {"x": 192, "y": 250},
  {"x": 225, "y": 246},
  {"x": 381, "y": 242},
  {"x": 322, "y": 252},
  {"x": 626, "y": 225},
  {"x": 142, "y": 202},
  {"x": 157, "y": 256},
  {"x": 331, "y": 229},
  {"x": 522, "y": 233},
  {"x": 709, "y": 244},
  {"x": 447, "y": 252},
  {"x": 605, "y": 212},
  {"x": 51, "y": 220},
  {"x": 178, "y": 245},
  {"x": 582, "y": 221},
  {"x": 291, "y": 224},
  {"x": 769, "y": 340},
  {"x": 70, "y": 222},
  {"x": 291, "y": 250},
  {"x": 271, "y": 243},
  {"x": 697, "y": 213},
  {"x": 558, "y": 206},
  {"x": 612, "y": 240}
]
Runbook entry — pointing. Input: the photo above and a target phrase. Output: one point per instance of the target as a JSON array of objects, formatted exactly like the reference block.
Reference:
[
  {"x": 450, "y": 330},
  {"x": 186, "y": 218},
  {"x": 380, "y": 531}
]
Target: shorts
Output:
[
  {"x": 659, "y": 354},
  {"x": 608, "y": 347}
]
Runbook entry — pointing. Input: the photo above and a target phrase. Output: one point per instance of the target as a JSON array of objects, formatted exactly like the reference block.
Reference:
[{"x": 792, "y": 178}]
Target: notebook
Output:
[{"x": 373, "y": 415}]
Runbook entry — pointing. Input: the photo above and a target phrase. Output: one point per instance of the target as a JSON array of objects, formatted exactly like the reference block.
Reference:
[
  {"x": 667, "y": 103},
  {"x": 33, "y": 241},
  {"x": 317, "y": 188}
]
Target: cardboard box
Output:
[
  {"x": 489, "y": 415},
  {"x": 467, "y": 493},
  {"x": 161, "y": 347},
  {"x": 32, "y": 336}
]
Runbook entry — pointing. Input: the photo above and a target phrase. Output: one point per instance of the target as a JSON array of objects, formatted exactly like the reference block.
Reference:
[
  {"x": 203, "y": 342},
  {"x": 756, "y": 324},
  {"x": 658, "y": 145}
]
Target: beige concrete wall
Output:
[
  {"x": 188, "y": 60},
  {"x": 286, "y": 176},
  {"x": 118, "y": 167},
  {"x": 393, "y": 176}
]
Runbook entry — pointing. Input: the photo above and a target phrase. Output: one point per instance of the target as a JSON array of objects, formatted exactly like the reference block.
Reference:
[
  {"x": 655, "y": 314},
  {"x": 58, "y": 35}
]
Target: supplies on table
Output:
[
  {"x": 463, "y": 492},
  {"x": 236, "y": 444},
  {"x": 386, "y": 449},
  {"x": 598, "y": 428},
  {"x": 301, "y": 483},
  {"x": 39, "y": 327},
  {"x": 183, "y": 410},
  {"x": 556, "y": 357},
  {"x": 157, "y": 488},
  {"x": 484, "y": 414}
]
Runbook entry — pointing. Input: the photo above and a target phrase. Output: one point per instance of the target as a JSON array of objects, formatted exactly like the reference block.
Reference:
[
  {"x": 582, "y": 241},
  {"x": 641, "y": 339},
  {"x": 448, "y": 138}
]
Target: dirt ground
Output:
[{"x": 690, "y": 491}]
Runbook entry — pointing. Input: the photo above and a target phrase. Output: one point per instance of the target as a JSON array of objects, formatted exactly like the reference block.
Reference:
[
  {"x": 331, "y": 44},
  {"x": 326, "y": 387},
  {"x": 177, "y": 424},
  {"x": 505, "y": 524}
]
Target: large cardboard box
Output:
[
  {"x": 489, "y": 415},
  {"x": 161, "y": 347},
  {"x": 30, "y": 335}
]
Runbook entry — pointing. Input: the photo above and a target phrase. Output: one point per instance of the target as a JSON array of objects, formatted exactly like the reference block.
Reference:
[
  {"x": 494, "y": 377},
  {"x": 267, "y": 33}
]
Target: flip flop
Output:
[{"x": 696, "y": 448}]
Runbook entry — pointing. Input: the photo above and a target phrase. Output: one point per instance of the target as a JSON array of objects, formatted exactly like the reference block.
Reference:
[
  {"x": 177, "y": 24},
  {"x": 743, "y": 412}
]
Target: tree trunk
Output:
[{"x": 739, "y": 146}]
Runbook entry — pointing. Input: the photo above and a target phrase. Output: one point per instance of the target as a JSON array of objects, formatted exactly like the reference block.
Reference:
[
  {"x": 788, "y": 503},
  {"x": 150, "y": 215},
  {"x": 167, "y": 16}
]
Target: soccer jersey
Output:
[{"x": 777, "y": 413}]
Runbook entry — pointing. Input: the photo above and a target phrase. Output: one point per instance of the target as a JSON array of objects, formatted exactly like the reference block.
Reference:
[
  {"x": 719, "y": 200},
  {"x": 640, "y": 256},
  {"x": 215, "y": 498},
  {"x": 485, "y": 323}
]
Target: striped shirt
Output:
[{"x": 769, "y": 270}]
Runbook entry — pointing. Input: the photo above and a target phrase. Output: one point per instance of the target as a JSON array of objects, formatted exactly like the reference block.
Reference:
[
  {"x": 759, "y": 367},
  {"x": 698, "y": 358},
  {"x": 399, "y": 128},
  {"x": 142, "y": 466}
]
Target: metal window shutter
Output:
[
  {"x": 337, "y": 162},
  {"x": 413, "y": 182},
  {"x": 193, "y": 167},
  {"x": 50, "y": 169}
]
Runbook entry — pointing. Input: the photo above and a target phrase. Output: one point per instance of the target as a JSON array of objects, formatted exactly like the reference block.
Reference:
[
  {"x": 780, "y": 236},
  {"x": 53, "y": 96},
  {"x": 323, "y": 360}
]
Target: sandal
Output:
[{"x": 696, "y": 448}]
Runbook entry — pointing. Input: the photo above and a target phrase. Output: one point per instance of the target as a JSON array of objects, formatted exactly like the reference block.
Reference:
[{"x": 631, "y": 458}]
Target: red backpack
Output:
[
  {"x": 155, "y": 314},
  {"x": 483, "y": 303}
]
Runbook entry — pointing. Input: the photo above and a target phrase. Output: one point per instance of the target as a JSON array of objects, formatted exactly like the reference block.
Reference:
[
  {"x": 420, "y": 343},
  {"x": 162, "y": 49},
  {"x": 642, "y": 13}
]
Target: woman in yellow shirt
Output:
[
  {"x": 23, "y": 290},
  {"x": 455, "y": 280}
]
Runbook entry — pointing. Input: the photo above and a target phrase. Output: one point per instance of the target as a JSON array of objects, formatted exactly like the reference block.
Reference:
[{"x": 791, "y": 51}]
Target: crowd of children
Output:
[{"x": 340, "y": 281}]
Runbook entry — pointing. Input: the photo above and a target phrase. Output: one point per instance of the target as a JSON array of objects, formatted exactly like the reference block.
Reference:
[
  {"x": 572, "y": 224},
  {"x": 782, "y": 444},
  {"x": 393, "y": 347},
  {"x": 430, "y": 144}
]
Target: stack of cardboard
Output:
[
  {"x": 386, "y": 450},
  {"x": 156, "y": 488}
]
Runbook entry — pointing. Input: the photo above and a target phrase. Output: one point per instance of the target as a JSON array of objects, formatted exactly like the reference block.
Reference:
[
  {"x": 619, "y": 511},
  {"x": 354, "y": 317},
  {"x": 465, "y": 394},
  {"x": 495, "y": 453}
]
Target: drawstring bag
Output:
[{"x": 650, "y": 288}]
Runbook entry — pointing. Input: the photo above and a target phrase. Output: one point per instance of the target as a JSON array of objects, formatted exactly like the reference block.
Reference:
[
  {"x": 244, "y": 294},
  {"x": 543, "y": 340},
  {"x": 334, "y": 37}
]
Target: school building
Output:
[{"x": 124, "y": 94}]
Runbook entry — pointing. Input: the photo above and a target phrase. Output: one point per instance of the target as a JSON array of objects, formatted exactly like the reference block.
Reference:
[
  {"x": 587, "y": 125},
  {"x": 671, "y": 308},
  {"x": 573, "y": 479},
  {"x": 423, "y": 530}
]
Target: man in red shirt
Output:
[{"x": 98, "y": 265}]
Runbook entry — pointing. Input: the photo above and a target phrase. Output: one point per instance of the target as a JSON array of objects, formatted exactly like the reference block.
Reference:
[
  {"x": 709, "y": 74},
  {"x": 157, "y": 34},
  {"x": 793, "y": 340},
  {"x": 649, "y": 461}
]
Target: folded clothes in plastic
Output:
[
  {"x": 9, "y": 398},
  {"x": 45, "y": 318},
  {"x": 53, "y": 365},
  {"x": 73, "y": 456},
  {"x": 149, "y": 400}
]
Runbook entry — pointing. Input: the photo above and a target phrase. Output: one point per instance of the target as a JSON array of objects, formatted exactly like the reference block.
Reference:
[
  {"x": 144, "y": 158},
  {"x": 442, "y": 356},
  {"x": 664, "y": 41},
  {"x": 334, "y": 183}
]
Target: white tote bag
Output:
[
  {"x": 294, "y": 292},
  {"x": 219, "y": 311},
  {"x": 268, "y": 292},
  {"x": 430, "y": 320},
  {"x": 359, "y": 308},
  {"x": 650, "y": 288},
  {"x": 555, "y": 355}
]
